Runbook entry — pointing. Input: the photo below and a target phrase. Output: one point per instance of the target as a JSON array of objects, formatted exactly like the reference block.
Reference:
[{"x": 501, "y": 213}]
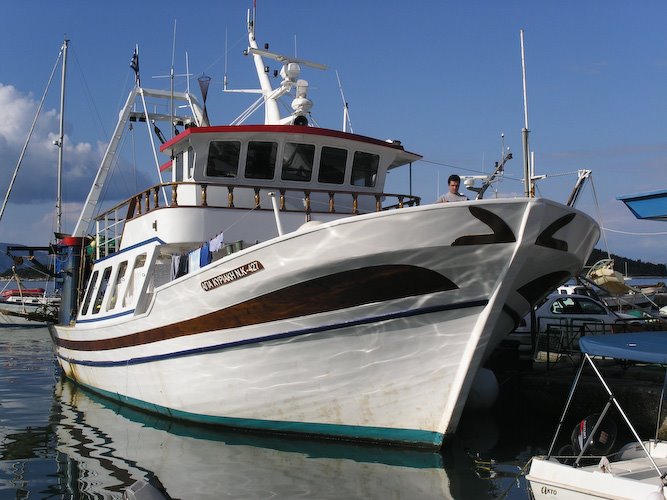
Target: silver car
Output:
[{"x": 562, "y": 319}]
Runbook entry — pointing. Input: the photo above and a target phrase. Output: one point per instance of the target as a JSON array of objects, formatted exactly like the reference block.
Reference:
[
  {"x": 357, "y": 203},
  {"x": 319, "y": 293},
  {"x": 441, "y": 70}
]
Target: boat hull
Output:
[
  {"x": 624, "y": 480},
  {"x": 370, "y": 327},
  {"x": 17, "y": 315}
]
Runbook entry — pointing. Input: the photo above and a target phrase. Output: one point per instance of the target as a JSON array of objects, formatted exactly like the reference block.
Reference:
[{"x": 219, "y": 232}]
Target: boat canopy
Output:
[
  {"x": 651, "y": 205},
  {"x": 642, "y": 347}
]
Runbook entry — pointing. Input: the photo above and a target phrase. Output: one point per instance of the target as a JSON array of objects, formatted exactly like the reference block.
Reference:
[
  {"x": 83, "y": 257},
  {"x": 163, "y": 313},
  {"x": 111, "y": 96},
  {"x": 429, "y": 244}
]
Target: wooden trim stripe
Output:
[
  {"x": 410, "y": 313},
  {"x": 328, "y": 293}
]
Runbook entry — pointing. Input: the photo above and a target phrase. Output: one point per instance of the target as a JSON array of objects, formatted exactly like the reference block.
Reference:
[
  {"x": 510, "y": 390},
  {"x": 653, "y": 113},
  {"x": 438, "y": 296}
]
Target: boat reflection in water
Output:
[{"x": 111, "y": 447}]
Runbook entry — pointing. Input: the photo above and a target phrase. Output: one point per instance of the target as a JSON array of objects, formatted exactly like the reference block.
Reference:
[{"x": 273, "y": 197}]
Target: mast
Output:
[
  {"x": 524, "y": 131},
  {"x": 61, "y": 138}
]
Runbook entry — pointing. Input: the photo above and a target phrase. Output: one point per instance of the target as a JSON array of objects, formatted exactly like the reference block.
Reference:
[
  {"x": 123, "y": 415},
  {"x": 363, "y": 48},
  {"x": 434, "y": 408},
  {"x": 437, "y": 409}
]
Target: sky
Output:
[{"x": 443, "y": 77}]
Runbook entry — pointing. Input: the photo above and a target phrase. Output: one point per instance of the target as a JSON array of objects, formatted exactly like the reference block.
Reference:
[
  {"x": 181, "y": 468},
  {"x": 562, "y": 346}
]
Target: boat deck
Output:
[{"x": 637, "y": 469}]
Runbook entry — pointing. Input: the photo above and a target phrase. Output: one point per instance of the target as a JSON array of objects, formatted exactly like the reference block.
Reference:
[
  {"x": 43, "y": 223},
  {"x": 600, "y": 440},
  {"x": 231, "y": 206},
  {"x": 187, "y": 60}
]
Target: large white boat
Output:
[{"x": 272, "y": 284}]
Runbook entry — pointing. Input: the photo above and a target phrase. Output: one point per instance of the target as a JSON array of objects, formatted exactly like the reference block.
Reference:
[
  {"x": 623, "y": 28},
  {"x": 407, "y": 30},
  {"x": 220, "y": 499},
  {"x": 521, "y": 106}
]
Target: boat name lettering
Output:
[
  {"x": 549, "y": 491},
  {"x": 233, "y": 275}
]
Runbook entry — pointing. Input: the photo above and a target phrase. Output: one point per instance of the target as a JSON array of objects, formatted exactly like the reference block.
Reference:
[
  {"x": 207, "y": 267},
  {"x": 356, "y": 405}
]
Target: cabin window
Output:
[
  {"x": 261, "y": 160},
  {"x": 178, "y": 174},
  {"x": 102, "y": 289},
  {"x": 223, "y": 158},
  {"x": 89, "y": 294},
  {"x": 364, "y": 169},
  {"x": 120, "y": 278},
  {"x": 136, "y": 280},
  {"x": 332, "y": 165},
  {"x": 191, "y": 162},
  {"x": 298, "y": 162}
]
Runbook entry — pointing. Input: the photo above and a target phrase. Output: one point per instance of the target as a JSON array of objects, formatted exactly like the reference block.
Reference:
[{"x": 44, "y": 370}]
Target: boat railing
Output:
[{"x": 109, "y": 225}]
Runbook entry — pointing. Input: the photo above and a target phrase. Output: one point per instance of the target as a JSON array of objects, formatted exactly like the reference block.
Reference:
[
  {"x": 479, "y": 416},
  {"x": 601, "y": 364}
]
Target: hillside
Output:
[{"x": 634, "y": 267}]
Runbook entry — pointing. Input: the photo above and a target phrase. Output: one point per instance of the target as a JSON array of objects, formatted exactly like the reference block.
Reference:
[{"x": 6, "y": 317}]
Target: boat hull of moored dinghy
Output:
[{"x": 369, "y": 327}]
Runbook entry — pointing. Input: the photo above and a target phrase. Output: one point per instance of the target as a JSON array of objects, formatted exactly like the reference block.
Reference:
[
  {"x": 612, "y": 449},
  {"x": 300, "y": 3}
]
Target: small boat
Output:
[
  {"x": 615, "y": 291},
  {"x": 603, "y": 274},
  {"x": 272, "y": 284},
  {"x": 588, "y": 468},
  {"x": 27, "y": 308}
]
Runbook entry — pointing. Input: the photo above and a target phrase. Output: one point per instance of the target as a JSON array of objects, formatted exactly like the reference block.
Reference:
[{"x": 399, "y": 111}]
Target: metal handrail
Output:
[{"x": 109, "y": 223}]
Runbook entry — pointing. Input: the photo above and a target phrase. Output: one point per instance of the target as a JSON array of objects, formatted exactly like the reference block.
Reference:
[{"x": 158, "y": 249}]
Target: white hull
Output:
[
  {"x": 369, "y": 327},
  {"x": 625, "y": 479},
  {"x": 629, "y": 300}
]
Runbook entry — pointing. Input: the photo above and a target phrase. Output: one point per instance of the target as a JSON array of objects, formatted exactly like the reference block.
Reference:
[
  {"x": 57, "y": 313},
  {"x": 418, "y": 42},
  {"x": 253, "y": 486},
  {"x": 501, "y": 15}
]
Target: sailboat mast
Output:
[{"x": 61, "y": 138}]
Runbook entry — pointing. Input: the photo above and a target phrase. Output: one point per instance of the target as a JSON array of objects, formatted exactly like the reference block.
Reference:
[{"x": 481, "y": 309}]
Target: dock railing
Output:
[{"x": 558, "y": 338}]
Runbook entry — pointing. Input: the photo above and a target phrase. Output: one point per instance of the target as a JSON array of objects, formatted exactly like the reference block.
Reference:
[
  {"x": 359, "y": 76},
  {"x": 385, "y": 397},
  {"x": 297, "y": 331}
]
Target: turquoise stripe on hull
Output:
[{"x": 406, "y": 437}]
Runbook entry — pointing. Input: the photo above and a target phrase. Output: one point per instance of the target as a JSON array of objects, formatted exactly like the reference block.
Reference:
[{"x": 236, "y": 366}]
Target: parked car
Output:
[
  {"x": 565, "y": 318},
  {"x": 575, "y": 310}
]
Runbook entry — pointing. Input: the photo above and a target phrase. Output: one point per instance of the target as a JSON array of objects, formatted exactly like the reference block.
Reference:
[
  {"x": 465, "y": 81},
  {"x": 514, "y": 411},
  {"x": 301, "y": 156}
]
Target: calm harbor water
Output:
[{"x": 59, "y": 441}]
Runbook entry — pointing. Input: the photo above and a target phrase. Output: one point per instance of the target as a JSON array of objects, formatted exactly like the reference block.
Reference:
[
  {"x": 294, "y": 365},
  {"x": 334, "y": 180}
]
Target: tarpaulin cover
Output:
[{"x": 646, "y": 347}]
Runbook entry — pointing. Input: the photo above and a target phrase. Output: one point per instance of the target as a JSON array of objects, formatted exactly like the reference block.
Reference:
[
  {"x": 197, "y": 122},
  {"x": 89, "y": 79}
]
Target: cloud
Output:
[
  {"x": 593, "y": 68},
  {"x": 37, "y": 176}
]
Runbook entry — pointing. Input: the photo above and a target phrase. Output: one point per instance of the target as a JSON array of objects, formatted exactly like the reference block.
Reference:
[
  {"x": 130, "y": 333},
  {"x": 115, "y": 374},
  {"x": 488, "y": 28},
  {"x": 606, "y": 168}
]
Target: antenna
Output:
[
  {"x": 346, "y": 111},
  {"x": 171, "y": 82},
  {"x": 527, "y": 180},
  {"x": 187, "y": 72},
  {"x": 224, "y": 78}
]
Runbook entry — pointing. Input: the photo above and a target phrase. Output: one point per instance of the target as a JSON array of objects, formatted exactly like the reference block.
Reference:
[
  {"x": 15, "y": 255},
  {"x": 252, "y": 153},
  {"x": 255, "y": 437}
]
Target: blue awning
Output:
[
  {"x": 646, "y": 347},
  {"x": 651, "y": 205}
]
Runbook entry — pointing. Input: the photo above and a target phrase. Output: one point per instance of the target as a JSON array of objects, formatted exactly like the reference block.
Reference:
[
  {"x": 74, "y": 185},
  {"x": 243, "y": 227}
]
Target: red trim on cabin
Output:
[
  {"x": 166, "y": 165},
  {"x": 279, "y": 129}
]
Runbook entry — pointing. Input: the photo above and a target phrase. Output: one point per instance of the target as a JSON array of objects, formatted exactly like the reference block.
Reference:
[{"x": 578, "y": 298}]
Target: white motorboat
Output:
[
  {"x": 272, "y": 284},
  {"x": 638, "y": 470},
  {"x": 617, "y": 293},
  {"x": 27, "y": 308}
]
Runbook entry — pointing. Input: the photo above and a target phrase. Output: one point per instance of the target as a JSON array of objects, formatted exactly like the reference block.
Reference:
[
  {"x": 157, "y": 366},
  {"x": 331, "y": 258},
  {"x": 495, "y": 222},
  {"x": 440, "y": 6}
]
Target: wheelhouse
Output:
[{"x": 284, "y": 155}]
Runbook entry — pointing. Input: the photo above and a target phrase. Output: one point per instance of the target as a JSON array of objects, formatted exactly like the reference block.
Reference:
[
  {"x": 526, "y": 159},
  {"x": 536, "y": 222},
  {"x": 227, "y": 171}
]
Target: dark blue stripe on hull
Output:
[{"x": 277, "y": 336}]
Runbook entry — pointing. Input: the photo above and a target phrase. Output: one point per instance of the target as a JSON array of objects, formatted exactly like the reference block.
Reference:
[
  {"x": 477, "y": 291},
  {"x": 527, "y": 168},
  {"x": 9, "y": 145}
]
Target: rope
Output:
[
  {"x": 515, "y": 479},
  {"x": 661, "y": 233},
  {"x": 597, "y": 210}
]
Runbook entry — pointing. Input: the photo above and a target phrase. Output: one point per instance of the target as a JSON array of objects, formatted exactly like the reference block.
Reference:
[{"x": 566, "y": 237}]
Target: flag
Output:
[{"x": 134, "y": 64}]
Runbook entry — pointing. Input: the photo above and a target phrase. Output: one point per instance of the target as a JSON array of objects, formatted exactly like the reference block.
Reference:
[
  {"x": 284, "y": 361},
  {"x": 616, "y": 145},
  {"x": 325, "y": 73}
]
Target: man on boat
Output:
[{"x": 453, "y": 194}]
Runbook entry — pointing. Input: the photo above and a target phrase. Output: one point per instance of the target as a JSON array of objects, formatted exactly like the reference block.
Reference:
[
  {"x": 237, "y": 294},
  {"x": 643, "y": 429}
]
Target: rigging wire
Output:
[
  {"x": 599, "y": 216},
  {"x": 32, "y": 128},
  {"x": 89, "y": 96},
  {"x": 630, "y": 233}
]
